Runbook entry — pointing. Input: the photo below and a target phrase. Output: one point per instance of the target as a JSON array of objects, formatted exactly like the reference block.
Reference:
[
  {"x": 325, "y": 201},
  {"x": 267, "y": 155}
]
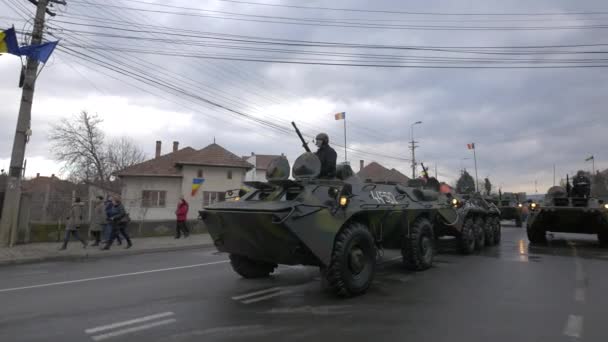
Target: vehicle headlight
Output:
[
  {"x": 520, "y": 205},
  {"x": 606, "y": 206},
  {"x": 343, "y": 201},
  {"x": 237, "y": 198},
  {"x": 533, "y": 205}
]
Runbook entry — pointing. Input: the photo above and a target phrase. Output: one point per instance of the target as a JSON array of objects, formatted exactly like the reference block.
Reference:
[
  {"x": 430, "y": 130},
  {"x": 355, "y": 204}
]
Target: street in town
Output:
[{"x": 512, "y": 292}]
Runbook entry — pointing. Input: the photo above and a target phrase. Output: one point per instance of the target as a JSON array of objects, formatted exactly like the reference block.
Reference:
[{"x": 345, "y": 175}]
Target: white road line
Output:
[
  {"x": 129, "y": 322},
  {"x": 112, "y": 276},
  {"x": 252, "y": 294},
  {"x": 259, "y": 299},
  {"x": 133, "y": 329},
  {"x": 579, "y": 294},
  {"x": 574, "y": 326}
]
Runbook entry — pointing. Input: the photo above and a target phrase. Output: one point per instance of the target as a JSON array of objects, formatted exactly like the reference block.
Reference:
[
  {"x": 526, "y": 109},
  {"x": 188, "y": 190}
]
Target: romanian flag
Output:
[
  {"x": 471, "y": 146},
  {"x": 8, "y": 42},
  {"x": 340, "y": 116},
  {"x": 590, "y": 158},
  {"x": 196, "y": 184}
]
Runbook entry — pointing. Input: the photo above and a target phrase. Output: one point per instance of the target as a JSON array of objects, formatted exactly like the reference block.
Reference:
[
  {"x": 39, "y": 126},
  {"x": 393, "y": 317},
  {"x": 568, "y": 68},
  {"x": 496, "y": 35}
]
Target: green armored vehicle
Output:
[
  {"x": 569, "y": 210},
  {"x": 511, "y": 205},
  {"x": 339, "y": 225},
  {"x": 476, "y": 223}
]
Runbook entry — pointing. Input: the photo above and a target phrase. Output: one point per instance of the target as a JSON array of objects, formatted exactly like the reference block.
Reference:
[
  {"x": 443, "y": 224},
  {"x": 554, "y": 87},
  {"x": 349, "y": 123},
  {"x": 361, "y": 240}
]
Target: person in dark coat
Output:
[
  {"x": 98, "y": 220},
  {"x": 73, "y": 223},
  {"x": 181, "y": 214},
  {"x": 118, "y": 221},
  {"x": 107, "y": 232},
  {"x": 327, "y": 156}
]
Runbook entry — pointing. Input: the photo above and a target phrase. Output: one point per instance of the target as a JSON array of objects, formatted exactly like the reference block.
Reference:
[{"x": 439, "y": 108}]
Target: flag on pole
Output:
[
  {"x": 8, "y": 42},
  {"x": 471, "y": 146},
  {"x": 590, "y": 158},
  {"x": 41, "y": 52},
  {"x": 340, "y": 116},
  {"x": 196, "y": 184}
]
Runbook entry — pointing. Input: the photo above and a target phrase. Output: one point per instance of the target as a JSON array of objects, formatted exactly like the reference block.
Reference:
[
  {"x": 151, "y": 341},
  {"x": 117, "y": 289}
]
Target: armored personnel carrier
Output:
[
  {"x": 511, "y": 205},
  {"x": 339, "y": 225},
  {"x": 475, "y": 222},
  {"x": 569, "y": 210}
]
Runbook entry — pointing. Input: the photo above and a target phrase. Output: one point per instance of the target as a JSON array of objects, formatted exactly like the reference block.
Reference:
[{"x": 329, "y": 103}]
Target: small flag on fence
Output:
[
  {"x": 471, "y": 146},
  {"x": 340, "y": 116},
  {"x": 196, "y": 184}
]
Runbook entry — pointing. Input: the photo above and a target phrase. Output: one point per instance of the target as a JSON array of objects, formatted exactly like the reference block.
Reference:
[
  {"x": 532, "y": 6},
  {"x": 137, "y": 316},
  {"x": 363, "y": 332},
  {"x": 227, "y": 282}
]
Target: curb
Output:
[{"x": 102, "y": 255}]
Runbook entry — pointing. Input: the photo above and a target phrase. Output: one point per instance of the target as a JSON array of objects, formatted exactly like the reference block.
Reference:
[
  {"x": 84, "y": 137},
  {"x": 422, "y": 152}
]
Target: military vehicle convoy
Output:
[
  {"x": 510, "y": 206},
  {"x": 339, "y": 225},
  {"x": 569, "y": 210}
]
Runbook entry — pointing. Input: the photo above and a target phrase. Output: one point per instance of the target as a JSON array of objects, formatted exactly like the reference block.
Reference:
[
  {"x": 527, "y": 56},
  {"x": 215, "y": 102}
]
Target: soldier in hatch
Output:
[{"x": 327, "y": 156}]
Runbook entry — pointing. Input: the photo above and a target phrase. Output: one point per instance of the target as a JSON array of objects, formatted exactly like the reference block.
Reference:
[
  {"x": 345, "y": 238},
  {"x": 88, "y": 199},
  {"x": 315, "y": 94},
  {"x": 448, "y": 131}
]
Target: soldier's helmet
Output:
[{"x": 323, "y": 137}]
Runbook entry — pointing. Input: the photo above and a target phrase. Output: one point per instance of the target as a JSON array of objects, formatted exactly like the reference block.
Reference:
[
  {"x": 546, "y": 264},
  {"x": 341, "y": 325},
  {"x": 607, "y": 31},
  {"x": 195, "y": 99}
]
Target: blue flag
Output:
[
  {"x": 40, "y": 52},
  {"x": 8, "y": 42}
]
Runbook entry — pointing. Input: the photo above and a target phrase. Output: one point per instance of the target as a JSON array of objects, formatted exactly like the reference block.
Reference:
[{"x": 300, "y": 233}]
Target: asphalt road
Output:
[{"x": 513, "y": 292}]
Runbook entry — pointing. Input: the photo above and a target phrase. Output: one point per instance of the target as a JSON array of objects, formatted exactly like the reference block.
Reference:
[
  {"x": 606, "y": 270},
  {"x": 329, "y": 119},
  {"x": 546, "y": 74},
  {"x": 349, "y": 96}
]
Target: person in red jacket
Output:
[{"x": 182, "y": 214}]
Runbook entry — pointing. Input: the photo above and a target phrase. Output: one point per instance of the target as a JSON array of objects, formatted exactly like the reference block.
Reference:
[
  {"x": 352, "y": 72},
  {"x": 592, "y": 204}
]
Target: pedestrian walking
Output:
[
  {"x": 73, "y": 223},
  {"x": 118, "y": 219},
  {"x": 181, "y": 214},
  {"x": 107, "y": 228},
  {"x": 98, "y": 220}
]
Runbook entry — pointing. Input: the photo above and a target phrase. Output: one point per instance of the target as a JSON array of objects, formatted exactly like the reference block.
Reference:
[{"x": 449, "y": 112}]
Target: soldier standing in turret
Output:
[{"x": 327, "y": 156}]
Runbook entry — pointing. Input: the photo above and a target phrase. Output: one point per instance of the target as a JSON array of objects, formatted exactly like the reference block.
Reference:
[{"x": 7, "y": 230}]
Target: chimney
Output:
[
  {"x": 53, "y": 175},
  {"x": 158, "y": 143},
  {"x": 38, "y": 175},
  {"x": 361, "y": 164},
  {"x": 175, "y": 146},
  {"x": 252, "y": 154}
]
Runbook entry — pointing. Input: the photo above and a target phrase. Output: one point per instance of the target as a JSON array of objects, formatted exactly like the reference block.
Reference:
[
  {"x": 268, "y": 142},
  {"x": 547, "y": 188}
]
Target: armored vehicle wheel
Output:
[
  {"x": 497, "y": 230},
  {"x": 480, "y": 236},
  {"x": 418, "y": 249},
  {"x": 518, "y": 222},
  {"x": 466, "y": 240},
  {"x": 489, "y": 231},
  {"x": 603, "y": 239},
  {"x": 249, "y": 268},
  {"x": 536, "y": 235},
  {"x": 353, "y": 261}
]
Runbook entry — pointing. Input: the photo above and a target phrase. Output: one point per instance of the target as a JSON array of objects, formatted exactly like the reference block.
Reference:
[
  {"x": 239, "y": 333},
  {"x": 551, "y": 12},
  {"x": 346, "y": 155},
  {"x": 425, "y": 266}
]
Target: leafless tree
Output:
[
  {"x": 80, "y": 144},
  {"x": 122, "y": 153}
]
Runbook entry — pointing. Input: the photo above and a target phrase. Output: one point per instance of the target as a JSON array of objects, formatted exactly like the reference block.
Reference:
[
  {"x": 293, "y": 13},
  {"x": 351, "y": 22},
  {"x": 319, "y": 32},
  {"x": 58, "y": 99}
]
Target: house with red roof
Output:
[{"x": 152, "y": 189}]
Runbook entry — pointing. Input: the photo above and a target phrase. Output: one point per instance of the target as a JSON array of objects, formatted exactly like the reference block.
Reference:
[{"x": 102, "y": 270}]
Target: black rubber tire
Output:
[
  {"x": 249, "y": 268},
  {"x": 518, "y": 222},
  {"x": 497, "y": 230},
  {"x": 480, "y": 236},
  {"x": 353, "y": 238},
  {"x": 466, "y": 240},
  {"x": 488, "y": 229},
  {"x": 603, "y": 239},
  {"x": 536, "y": 235},
  {"x": 418, "y": 249}
]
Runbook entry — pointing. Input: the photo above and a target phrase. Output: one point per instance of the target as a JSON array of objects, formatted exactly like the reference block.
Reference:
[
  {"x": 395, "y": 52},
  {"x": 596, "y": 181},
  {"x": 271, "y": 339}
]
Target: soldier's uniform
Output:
[{"x": 327, "y": 156}]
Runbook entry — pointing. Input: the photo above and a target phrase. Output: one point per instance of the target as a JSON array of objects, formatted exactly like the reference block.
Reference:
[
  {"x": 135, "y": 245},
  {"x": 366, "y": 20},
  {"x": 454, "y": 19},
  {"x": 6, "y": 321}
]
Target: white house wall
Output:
[{"x": 132, "y": 193}]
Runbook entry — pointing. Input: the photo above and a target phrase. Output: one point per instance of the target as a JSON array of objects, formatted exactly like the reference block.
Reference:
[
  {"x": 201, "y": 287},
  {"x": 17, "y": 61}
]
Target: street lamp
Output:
[{"x": 413, "y": 147}]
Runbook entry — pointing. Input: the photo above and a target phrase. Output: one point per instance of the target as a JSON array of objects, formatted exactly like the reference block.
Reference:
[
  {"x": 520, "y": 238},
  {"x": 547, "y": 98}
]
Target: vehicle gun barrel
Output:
[{"x": 304, "y": 143}]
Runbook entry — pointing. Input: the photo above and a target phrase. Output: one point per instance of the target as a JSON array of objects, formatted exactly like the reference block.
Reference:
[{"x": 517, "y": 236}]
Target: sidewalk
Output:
[{"x": 37, "y": 252}]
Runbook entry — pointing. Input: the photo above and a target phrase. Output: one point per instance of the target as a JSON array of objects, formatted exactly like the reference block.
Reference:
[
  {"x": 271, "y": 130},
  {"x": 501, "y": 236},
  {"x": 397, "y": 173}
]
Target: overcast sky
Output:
[{"x": 523, "y": 121}]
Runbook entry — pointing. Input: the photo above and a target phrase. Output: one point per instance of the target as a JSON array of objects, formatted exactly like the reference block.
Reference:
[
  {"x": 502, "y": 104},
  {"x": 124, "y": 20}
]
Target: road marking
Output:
[
  {"x": 259, "y": 299},
  {"x": 129, "y": 322},
  {"x": 252, "y": 294},
  {"x": 112, "y": 276},
  {"x": 133, "y": 329},
  {"x": 579, "y": 294},
  {"x": 574, "y": 326}
]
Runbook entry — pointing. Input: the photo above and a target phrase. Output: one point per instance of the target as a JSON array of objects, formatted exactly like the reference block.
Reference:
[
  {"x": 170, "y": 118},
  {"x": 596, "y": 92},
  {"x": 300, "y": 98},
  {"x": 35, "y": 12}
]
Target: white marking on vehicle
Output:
[
  {"x": 256, "y": 293},
  {"x": 574, "y": 326},
  {"x": 259, "y": 299},
  {"x": 112, "y": 276},
  {"x": 129, "y": 322},
  {"x": 133, "y": 329}
]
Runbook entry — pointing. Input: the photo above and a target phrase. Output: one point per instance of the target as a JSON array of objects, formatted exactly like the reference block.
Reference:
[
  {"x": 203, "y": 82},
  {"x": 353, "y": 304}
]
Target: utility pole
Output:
[
  {"x": 553, "y": 174},
  {"x": 12, "y": 197},
  {"x": 413, "y": 148}
]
